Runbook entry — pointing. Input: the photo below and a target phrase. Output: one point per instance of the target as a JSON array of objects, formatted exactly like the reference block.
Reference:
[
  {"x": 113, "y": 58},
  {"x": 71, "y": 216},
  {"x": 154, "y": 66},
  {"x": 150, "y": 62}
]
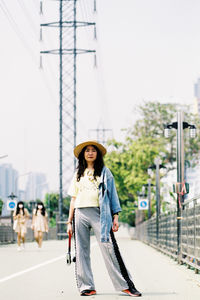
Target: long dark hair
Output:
[
  {"x": 82, "y": 164},
  {"x": 18, "y": 209},
  {"x": 43, "y": 208}
]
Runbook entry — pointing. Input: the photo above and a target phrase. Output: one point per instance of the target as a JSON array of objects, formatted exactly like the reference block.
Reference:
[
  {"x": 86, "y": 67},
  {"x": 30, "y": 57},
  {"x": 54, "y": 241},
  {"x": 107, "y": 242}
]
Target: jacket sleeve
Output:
[{"x": 114, "y": 200}]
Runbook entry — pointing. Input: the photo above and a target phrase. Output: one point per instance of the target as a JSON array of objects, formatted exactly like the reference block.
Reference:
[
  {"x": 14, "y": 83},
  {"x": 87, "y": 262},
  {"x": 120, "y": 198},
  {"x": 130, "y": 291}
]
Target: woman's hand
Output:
[
  {"x": 115, "y": 226},
  {"x": 69, "y": 229}
]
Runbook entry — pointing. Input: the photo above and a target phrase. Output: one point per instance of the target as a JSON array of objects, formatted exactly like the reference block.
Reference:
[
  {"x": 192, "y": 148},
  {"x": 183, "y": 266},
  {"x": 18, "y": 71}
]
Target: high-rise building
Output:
[
  {"x": 197, "y": 95},
  {"x": 8, "y": 184},
  {"x": 36, "y": 187}
]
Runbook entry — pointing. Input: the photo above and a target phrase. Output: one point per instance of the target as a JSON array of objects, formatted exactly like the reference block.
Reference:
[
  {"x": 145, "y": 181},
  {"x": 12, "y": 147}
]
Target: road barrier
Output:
[
  {"x": 167, "y": 233},
  {"x": 61, "y": 229},
  {"x": 7, "y": 236}
]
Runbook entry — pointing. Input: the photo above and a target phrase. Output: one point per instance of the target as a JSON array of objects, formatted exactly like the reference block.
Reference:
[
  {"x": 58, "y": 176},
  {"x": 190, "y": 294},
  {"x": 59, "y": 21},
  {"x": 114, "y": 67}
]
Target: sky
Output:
[{"x": 147, "y": 50}]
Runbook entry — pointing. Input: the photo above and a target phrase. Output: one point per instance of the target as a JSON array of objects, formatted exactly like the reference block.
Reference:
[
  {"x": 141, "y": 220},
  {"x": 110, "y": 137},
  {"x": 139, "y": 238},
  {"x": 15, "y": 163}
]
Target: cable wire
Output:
[
  {"x": 28, "y": 16},
  {"x": 16, "y": 29}
]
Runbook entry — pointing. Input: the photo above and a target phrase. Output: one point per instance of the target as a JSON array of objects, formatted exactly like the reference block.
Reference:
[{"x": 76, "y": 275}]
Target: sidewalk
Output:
[{"x": 47, "y": 277}]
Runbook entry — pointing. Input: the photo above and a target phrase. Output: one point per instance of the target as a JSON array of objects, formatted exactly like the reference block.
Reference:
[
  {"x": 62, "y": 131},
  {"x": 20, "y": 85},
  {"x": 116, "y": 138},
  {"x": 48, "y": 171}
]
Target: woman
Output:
[
  {"x": 39, "y": 223},
  {"x": 20, "y": 217},
  {"x": 95, "y": 204}
]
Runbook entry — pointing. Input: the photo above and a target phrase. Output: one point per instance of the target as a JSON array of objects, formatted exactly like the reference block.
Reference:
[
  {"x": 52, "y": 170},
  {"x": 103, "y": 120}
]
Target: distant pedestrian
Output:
[
  {"x": 95, "y": 204},
  {"x": 20, "y": 217},
  {"x": 39, "y": 223}
]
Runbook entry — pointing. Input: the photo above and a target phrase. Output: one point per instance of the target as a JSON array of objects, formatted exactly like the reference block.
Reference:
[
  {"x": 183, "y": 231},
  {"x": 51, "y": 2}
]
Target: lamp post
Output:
[
  {"x": 3, "y": 156},
  {"x": 157, "y": 166},
  {"x": 139, "y": 217},
  {"x": 157, "y": 162},
  {"x": 149, "y": 185},
  {"x": 12, "y": 197},
  {"x": 180, "y": 125}
]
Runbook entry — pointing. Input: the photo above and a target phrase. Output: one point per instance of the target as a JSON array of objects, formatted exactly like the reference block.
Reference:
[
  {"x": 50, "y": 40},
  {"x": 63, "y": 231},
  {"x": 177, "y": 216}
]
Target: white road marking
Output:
[
  {"x": 31, "y": 269},
  {"x": 36, "y": 267}
]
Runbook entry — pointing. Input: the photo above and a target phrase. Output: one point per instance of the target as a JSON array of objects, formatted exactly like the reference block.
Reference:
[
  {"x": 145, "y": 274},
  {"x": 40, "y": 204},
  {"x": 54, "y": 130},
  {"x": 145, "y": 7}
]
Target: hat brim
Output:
[{"x": 79, "y": 148}]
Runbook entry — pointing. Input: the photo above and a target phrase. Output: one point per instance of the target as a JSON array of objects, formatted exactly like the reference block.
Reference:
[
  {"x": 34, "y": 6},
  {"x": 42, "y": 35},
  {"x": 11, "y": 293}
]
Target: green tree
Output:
[
  {"x": 51, "y": 203},
  {"x": 1, "y": 206},
  {"x": 153, "y": 116},
  {"x": 129, "y": 164},
  {"x": 144, "y": 141}
]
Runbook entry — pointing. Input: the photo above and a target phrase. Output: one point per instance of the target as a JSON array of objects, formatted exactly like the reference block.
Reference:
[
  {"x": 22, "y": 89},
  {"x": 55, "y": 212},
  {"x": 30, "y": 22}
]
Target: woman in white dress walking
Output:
[
  {"x": 20, "y": 217},
  {"x": 39, "y": 223}
]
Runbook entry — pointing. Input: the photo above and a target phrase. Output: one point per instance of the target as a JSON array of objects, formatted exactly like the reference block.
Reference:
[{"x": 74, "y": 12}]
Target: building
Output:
[
  {"x": 8, "y": 184},
  {"x": 197, "y": 96},
  {"x": 36, "y": 187},
  {"x": 21, "y": 195}
]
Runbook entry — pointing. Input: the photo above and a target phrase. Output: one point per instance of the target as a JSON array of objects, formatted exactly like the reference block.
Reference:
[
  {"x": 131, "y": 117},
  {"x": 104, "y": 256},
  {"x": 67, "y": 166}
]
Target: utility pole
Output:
[
  {"x": 180, "y": 176},
  {"x": 148, "y": 185},
  {"x": 157, "y": 162},
  {"x": 67, "y": 52},
  {"x": 157, "y": 166},
  {"x": 149, "y": 198},
  {"x": 12, "y": 197},
  {"x": 181, "y": 187}
]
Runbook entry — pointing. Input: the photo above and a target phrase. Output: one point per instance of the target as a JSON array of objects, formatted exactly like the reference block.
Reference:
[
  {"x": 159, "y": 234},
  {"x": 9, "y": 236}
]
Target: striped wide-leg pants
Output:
[{"x": 85, "y": 219}]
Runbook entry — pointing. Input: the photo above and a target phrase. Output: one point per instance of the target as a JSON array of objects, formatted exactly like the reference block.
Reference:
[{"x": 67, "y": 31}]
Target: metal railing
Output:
[
  {"x": 167, "y": 234},
  {"x": 190, "y": 241},
  {"x": 61, "y": 229},
  {"x": 8, "y": 236}
]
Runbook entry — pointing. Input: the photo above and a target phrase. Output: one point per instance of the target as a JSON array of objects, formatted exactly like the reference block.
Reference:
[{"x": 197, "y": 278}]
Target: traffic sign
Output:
[
  {"x": 143, "y": 204},
  {"x": 11, "y": 204}
]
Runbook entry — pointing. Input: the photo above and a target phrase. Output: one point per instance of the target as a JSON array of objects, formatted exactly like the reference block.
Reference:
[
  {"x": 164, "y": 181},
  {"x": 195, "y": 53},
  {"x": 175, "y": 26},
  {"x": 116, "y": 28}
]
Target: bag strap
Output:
[{"x": 103, "y": 188}]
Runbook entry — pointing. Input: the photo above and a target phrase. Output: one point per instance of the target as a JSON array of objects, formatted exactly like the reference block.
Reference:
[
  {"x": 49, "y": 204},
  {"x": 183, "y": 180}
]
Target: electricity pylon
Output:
[{"x": 67, "y": 52}]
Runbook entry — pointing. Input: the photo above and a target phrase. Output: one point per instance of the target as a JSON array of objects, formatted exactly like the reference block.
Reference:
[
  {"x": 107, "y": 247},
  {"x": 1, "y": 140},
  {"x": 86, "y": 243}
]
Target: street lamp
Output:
[
  {"x": 142, "y": 205},
  {"x": 180, "y": 189},
  {"x": 168, "y": 127},
  {"x": 157, "y": 166},
  {"x": 149, "y": 185},
  {"x": 12, "y": 197}
]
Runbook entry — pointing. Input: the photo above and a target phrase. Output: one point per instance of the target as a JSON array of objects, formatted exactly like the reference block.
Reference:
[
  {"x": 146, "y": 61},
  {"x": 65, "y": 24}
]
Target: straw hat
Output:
[{"x": 79, "y": 148}]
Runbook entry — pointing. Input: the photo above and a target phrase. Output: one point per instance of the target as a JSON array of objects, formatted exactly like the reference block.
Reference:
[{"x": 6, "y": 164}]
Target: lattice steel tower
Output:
[{"x": 67, "y": 52}]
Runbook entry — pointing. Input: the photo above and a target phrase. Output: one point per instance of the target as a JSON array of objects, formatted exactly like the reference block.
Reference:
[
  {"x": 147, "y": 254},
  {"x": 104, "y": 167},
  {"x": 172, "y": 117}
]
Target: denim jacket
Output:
[{"x": 109, "y": 203}]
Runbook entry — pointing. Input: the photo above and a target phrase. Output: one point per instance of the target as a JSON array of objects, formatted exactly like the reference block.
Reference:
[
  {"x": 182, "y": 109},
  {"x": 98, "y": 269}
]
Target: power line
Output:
[
  {"x": 36, "y": 5},
  {"x": 87, "y": 14},
  {"x": 20, "y": 36},
  {"x": 28, "y": 16},
  {"x": 16, "y": 28}
]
